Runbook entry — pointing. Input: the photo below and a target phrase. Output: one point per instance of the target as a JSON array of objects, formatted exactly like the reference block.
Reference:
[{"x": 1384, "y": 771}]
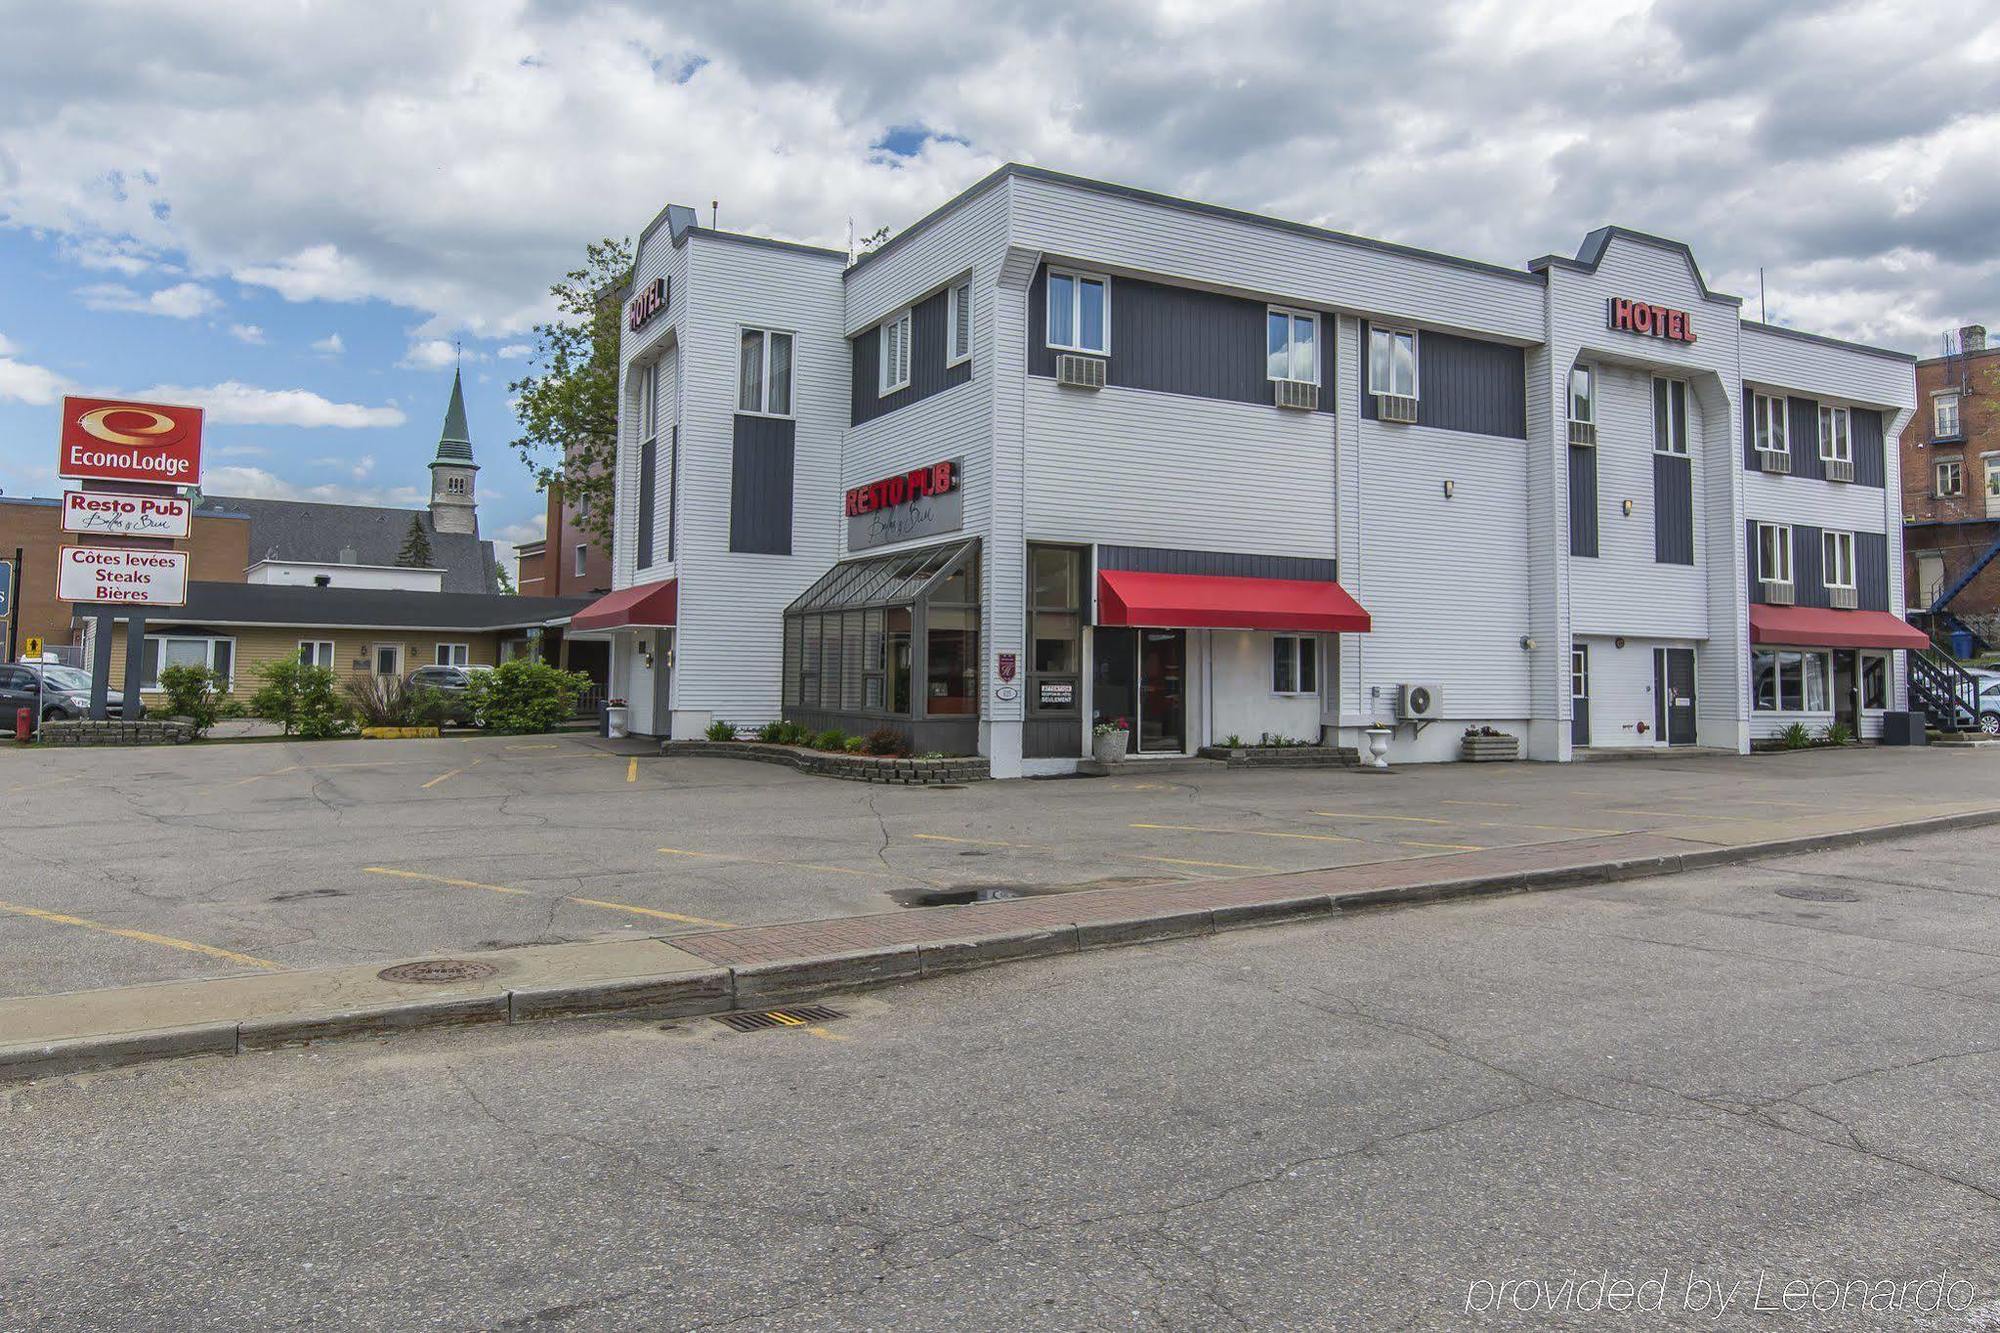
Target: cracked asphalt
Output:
[{"x": 1345, "y": 1125}]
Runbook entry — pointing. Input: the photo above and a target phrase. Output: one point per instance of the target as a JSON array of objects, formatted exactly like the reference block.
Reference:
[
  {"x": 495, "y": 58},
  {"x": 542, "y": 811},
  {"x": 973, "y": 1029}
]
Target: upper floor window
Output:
[
  {"x": 1837, "y": 549},
  {"x": 1079, "y": 312},
  {"x": 1944, "y": 416},
  {"x": 454, "y": 485},
  {"x": 1836, "y": 442},
  {"x": 1767, "y": 416},
  {"x": 582, "y": 557},
  {"x": 1582, "y": 395},
  {"x": 1950, "y": 476},
  {"x": 1291, "y": 346},
  {"x": 1392, "y": 362},
  {"x": 958, "y": 323},
  {"x": 649, "y": 400},
  {"x": 1774, "y": 553},
  {"x": 765, "y": 385},
  {"x": 894, "y": 361},
  {"x": 1670, "y": 427}
]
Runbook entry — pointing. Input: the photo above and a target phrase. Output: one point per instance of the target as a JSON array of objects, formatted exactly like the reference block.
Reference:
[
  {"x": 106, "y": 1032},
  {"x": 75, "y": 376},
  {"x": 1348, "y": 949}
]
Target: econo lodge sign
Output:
[
  {"x": 106, "y": 439},
  {"x": 121, "y": 574}
]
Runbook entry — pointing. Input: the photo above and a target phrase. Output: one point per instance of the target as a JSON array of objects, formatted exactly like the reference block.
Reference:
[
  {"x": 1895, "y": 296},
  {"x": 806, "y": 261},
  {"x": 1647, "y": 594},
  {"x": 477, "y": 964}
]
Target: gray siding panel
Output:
[
  {"x": 1228, "y": 564},
  {"x": 1052, "y": 738},
  {"x": 1673, "y": 509},
  {"x": 1464, "y": 384},
  {"x": 1582, "y": 500},
  {"x": 1802, "y": 421},
  {"x": 928, "y": 372},
  {"x": 1870, "y": 466},
  {"x": 649, "y": 463},
  {"x": 1871, "y": 569},
  {"x": 760, "y": 486},
  {"x": 1808, "y": 570}
]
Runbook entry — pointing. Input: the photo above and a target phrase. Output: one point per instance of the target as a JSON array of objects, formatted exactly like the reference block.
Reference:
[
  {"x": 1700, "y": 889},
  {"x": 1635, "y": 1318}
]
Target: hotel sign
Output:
[
  {"x": 95, "y": 574},
  {"x": 919, "y": 503},
  {"x": 1648, "y": 321},
  {"x": 110, "y": 514},
  {"x": 650, "y": 301},
  {"x": 104, "y": 439}
]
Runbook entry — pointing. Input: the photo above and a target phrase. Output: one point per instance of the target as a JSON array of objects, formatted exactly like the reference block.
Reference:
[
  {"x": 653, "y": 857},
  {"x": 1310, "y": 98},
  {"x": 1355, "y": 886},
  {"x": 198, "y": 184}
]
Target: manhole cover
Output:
[
  {"x": 1812, "y": 895},
  {"x": 437, "y": 972}
]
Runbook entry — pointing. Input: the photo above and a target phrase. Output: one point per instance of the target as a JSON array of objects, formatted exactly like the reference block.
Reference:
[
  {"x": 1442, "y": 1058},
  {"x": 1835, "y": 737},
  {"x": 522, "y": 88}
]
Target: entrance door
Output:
[
  {"x": 1673, "y": 695},
  {"x": 1846, "y": 696},
  {"x": 1140, "y": 675},
  {"x": 1579, "y": 694},
  {"x": 387, "y": 659}
]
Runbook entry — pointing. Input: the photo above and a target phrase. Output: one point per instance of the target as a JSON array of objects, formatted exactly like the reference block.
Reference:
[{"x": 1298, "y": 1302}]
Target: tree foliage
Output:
[
  {"x": 524, "y": 696},
  {"x": 416, "y": 552},
  {"x": 304, "y": 699},
  {"x": 193, "y": 692},
  {"x": 567, "y": 403}
]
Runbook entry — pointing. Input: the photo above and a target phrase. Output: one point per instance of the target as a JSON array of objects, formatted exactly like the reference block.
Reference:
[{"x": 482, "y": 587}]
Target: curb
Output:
[{"x": 757, "y": 985}]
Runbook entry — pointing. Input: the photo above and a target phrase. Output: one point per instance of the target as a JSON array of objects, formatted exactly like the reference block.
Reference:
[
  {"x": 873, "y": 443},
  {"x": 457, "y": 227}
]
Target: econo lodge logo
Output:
[{"x": 110, "y": 440}]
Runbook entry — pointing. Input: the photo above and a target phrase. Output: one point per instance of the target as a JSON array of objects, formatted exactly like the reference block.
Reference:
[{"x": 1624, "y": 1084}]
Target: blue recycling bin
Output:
[{"x": 1961, "y": 644}]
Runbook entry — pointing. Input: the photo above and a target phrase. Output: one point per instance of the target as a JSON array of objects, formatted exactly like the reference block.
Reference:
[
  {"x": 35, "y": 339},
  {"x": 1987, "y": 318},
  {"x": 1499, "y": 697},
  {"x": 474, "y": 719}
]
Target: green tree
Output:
[
  {"x": 303, "y": 699},
  {"x": 416, "y": 552},
  {"x": 505, "y": 580},
  {"x": 524, "y": 696},
  {"x": 193, "y": 692},
  {"x": 567, "y": 403}
]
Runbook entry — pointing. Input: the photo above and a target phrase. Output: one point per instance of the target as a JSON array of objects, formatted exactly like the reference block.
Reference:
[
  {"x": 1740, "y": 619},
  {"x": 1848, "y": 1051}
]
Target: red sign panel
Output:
[
  {"x": 108, "y": 440},
  {"x": 651, "y": 300},
  {"x": 937, "y": 479},
  {"x": 1649, "y": 321},
  {"x": 1009, "y": 664}
]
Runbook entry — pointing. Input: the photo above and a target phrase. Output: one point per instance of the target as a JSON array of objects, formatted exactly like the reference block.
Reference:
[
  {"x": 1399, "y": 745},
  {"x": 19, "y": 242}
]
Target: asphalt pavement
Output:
[{"x": 1703, "y": 1088}]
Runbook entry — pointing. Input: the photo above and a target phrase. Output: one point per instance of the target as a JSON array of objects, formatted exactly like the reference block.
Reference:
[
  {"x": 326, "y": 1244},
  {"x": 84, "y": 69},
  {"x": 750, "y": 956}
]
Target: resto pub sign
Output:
[
  {"x": 917, "y": 503},
  {"x": 107, "y": 439},
  {"x": 1649, "y": 321},
  {"x": 111, "y": 514}
]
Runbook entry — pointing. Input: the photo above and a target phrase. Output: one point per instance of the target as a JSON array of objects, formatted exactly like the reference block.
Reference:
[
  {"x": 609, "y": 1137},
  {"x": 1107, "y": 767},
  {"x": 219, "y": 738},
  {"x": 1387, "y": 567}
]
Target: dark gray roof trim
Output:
[
  {"x": 1190, "y": 206},
  {"x": 1591, "y": 254},
  {"x": 1824, "y": 341},
  {"x": 370, "y": 608},
  {"x": 766, "y": 242}
]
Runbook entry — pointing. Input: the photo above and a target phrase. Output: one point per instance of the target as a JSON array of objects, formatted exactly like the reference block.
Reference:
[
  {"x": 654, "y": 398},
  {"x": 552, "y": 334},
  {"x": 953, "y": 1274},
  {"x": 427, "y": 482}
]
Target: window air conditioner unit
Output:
[
  {"x": 1079, "y": 372},
  {"x": 1774, "y": 460},
  {"x": 1583, "y": 432},
  {"x": 1297, "y": 394},
  {"x": 1419, "y": 703},
  {"x": 1779, "y": 594},
  {"x": 1839, "y": 469},
  {"x": 1843, "y": 599},
  {"x": 1395, "y": 407}
]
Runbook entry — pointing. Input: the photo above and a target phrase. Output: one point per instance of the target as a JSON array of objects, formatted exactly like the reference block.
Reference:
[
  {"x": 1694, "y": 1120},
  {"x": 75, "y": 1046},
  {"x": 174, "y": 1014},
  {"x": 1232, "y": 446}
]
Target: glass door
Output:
[
  {"x": 1114, "y": 668},
  {"x": 1162, "y": 725}
]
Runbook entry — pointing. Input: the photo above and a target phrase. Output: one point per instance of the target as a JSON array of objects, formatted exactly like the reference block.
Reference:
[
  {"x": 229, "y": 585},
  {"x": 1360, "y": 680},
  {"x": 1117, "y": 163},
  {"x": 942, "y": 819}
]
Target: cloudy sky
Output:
[{"x": 290, "y": 211}]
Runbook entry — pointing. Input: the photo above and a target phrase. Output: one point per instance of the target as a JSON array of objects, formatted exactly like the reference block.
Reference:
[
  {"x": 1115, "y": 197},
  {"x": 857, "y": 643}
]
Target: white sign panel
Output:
[
  {"x": 108, "y": 513},
  {"x": 121, "y": 574}
]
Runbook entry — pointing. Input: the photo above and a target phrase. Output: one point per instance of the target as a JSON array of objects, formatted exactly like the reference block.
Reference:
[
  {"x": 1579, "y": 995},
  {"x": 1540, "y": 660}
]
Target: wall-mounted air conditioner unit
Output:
[
  {"x": 1419, "y": 703},
  {"x": 1395, "y": 407},
  {"x": 1297, "y": 394},
  {"x": 1779, "y": 594},
  {"x": 1583, "y": 432},
  {"x": 1843, "y": 599},
  {"x": 1774, "y": 460},
  {"x": 1079, "y": 372},
  {"x": 1838, "y": 469}
]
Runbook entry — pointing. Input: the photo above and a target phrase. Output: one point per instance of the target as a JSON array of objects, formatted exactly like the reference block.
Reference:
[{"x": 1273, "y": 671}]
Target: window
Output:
[
  {"x": 1836, "y": 444},
  {"x": 388, "y": 659},
  {"x": 649, "y": 458},
  {"x": 958, "y": 323},
  {"x": 1579, "y": 671},
  {"x": 1055, "y": 629},
  {"x": 1291, "y": 350},
  {"x": 764, "y": 383},
  {"x": 582, "y": 558},
  {"x": 316, "y": 653},
  {"x": 1837, "y": 552},
  {"x": 1582, "y": 396},
  {"x": 1767, "y": 416},
  {"x": 1791, "y": 682},
  {"x": 454, "y": 485},
  {"x": 1950, "y": 477},
  {"x": 1944, "y": 416},
  {"x": 1874, "y": 680},
  {"x": 166, "y": 650},
  {"x": 1079, "y": 312},
  {"x": 1990, "y": 465},
  {"x": 1774, "y": 553},
  {"x": 1294, "y": 665},
  {"x": 1392, "y": 362},
  {"x": 895, "y": 357},
  {"x": 1670, "y": 427},
  {"x": 453, "y": 655}
]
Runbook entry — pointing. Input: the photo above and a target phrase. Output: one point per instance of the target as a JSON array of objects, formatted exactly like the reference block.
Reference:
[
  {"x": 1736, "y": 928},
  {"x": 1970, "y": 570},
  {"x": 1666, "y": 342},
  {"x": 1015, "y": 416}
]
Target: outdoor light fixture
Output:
[
  {"x": 1449, "y": 487},
  {"x": 1527, "y": 643},
  {"x": 1628, "y": 509}
]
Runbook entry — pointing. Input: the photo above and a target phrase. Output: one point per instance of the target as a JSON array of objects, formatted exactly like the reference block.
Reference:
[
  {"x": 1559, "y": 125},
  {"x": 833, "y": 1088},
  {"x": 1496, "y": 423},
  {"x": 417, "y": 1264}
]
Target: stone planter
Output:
[
  {"x": 1109, "y": 748},
  {"x": 1378, "y": 747},
  {"x": 616, "y": 718},
  {"x": 1491, "y": 749}
]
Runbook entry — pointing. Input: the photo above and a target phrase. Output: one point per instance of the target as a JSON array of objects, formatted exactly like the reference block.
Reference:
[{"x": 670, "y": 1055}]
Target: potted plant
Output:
[
  {"x": 1109, "y": 739},
  {"x": 616, "y": 716},
  {"x": 1378, "y": 746},
  {"x": 1485, "y": 745}
]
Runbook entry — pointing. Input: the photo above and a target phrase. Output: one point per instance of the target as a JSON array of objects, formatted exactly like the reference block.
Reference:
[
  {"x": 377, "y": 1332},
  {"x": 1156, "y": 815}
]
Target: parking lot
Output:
[{"x": 128, "y": 866}]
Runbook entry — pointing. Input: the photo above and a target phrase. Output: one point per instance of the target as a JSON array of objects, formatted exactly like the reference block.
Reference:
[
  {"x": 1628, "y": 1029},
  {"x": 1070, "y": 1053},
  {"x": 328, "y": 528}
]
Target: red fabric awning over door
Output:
[
  {"x": 1814, "y": 627},
  {"x": 642, "y": 606},
  {"x": 1213, "y": 601}
]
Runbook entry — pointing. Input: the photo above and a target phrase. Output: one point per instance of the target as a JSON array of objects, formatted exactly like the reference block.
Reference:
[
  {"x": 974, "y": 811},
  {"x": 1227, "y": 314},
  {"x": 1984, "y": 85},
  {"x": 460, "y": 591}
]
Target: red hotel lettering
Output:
[
  {"x": 1649, "y": 321},
  {"x": 920, "y": 483},
  {"x": 646, "y": 304}
]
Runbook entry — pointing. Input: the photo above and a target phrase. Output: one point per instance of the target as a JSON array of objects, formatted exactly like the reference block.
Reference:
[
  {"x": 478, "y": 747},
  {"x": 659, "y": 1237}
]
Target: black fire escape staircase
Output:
[{"x": 1946, "y": 692}]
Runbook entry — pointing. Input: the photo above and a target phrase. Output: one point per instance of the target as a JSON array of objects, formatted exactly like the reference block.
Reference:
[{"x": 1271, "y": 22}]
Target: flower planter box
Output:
[
  {"x": 1491, "y": 749},
  {"x": 1281, "y": 756},
  {"x": 950, "y": 771}
]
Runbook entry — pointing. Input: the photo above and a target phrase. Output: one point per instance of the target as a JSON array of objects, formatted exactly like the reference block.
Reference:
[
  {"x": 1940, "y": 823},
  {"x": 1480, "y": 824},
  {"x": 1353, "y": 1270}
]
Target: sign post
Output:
[{"x": 7, "y": 569}]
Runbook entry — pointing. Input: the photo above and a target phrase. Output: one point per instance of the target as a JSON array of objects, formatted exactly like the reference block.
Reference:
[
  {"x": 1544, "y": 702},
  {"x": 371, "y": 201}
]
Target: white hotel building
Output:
[{"x": 1065, "y": 451}]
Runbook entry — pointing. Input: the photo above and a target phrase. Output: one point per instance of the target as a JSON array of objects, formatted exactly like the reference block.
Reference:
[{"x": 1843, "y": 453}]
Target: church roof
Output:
[
  {"x": 455, "y": 440},
  {"x": 314, "y": 532}
]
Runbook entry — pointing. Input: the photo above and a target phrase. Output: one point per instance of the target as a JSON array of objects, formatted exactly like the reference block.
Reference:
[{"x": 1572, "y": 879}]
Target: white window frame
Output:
[
  {"x": 1957, "y": 466},
  {"x": 1677, "y": 426},
  {"x": 1776, "y": 428},
  {"x": 375, "y": 660},
  {"x": 763, "y": 409},
  {"x": 1077, "y": 279},
  {"x": 1836, "y": 434},
  {"x": 1837, "y": 558},
  {"x": 958, "y": 298},
  {"x": 1589, "y": 395},
  {"x": 649, "y": 400},
  {"x": 1579, "y": 671},
  {"x": 1376, "y": 331},
  {"x": 1292, "y": 320},
  {"x": 209, "y": 641},
  {"x": 1989, "y": 468},
  {"x": 1296, "y": 657},
  {"x": 1943, "y": 405},
  {"x": 1795, "y": 658},
  {"x": 1783, "y": 549},
  {"x": 582, "y": 559},
  {"x": 893, "y": 354},
  {"x": 1861, "y": 681},
  {"x": 309, "y": 653},
  {"x": 452, "y": 655}
]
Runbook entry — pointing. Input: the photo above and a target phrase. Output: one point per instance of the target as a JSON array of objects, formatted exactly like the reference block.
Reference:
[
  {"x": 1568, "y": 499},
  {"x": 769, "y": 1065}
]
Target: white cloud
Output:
[
  {"x": 331, "y": 345},
  {"x": 7, "y": 348},
  {"x": 530, "y": 530},
  {"x": 249, "y": 333},
  {"x": 231, "y": 403},
  {"x": 37, "y": 386},
  {"x": 241, "y": 451},
  {"x": 183, "y": 300},
  {"x": 436, "y": 354},
  {"x": 255, "y": 483},
  {"x": 515, "y": 352}
]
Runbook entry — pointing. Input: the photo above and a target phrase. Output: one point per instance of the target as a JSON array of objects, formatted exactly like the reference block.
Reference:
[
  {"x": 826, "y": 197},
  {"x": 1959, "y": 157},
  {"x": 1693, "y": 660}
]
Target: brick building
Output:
[{"x": 1951, "y": 491}]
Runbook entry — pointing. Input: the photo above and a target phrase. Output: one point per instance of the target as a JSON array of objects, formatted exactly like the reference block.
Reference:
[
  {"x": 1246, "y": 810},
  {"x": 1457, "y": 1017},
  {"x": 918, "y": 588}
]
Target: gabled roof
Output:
[{"x": 310, "y": 531}]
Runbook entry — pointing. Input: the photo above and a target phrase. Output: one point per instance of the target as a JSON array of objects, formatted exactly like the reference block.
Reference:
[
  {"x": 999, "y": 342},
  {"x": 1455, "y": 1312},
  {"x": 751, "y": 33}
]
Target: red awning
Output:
[
  {"x": 1813, "y": 627},
  {"x": 645, "y": 606},
  {"x": 1213, "y": 601}
]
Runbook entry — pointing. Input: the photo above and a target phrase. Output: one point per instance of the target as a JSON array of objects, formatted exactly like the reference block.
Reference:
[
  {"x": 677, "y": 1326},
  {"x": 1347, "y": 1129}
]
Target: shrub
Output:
[
  {"x": 884, "y": 740},
  {"x": 387, "y": 701},
  {"x": 773, "y": 732},
  {"x": 1796, "y": 737},
  {"x": 1233, "y": 741},
  {"x": 797, "y": 733},
  {"x": 1837, "y": 733},
  {"x": 524, "y": 697},
  {"x": 833, "y": 738},
  {"x": 193, "y": 692},
  {"x": 303, "y": 699},
  {"x": 719, "y": 730},
  {"x": 854, "y": 745}
]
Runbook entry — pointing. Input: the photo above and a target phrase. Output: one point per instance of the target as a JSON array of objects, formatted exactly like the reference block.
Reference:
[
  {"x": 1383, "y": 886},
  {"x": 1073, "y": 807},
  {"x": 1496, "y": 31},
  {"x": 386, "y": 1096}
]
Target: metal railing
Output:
[{"x": 1946, "y": 691}]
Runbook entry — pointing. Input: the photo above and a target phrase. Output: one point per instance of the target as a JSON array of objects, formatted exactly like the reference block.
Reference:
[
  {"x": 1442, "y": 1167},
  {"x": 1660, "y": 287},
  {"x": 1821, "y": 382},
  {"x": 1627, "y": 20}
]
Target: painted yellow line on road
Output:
[
  {"x": 440, "y": 879},
  {"x": 536, "y": 745},
  {"x": 1685, "y": 814},
  {"x": 259, "y": 777},
  {"x": 1399, "y": 819},
  {"x": 1209, "y": 865},
  {"x": 797, "y": 865},
  {"x": 524, "y": 893},
  {"x": 1444, "y": 846},
  {"x": 650, "y": 911},
  {"x": 1497, "y": 805},
  {"x": 1247, "y": 832},
  {"x": 1550, "y": 828},
  {"x": 143, "y": 936},
  {"x": 824, "y": 1035},
  {"x": 982, "y": 842},
  {"x": 442, "y": 777},
  {"x": 632, "y": 770}
]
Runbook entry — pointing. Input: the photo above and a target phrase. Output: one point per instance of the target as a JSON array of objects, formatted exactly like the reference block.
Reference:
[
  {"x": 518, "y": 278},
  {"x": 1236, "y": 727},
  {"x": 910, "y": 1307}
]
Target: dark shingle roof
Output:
[
  {"x": 308, "y": 530},
  {"x": 455, "y": 440},
  {"x": 370, "y": 608}
]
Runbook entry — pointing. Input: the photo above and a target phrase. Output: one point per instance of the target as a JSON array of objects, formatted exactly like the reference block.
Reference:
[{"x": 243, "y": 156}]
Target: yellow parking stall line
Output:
[
  {"x": 1444, "y": 846},
  {"x": 632, "y": 770},
  {"x": 1399, "y": 819},
  {"x": 650, "y": 911},
  {"x": 1208, "y": 865},
  {"x": 524, "y": 893},
  {"x": 1549, "y": 828},
  {"x": 143, "y": 936},
  {"x": 444, "y": 777},
  {"x": 797, "y": 865},
  {"x": 259, "y": 777},
  {"x": 983, "y": 842},
  {"x": 1681, "y": 814},
  {"x": 1497, "y": 805},
  {"x": 441, "y": 879},
  {"x": 1247, "y": 832}
]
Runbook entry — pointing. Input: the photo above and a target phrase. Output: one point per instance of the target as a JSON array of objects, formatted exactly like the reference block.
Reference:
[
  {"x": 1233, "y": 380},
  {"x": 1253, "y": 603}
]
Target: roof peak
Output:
[{"x": 455, "y": 440}]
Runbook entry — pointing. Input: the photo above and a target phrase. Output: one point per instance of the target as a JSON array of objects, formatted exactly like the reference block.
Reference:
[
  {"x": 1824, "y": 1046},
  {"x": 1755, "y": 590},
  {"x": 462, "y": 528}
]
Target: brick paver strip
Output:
[{"x": 810, "y": 939}]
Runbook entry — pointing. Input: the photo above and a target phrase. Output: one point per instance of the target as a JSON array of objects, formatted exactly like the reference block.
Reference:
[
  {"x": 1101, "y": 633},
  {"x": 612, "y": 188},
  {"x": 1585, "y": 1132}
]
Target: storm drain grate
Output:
[
  {"x": 796, "y": 1017},
  {"x": 1806, "y": 893},
  {"x": 438, "y": 972}
]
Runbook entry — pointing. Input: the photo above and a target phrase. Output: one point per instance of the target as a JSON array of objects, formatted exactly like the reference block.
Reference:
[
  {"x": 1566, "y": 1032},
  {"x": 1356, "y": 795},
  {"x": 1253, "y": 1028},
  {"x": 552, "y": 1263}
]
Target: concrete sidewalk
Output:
[{"x": 760, "y": 966}]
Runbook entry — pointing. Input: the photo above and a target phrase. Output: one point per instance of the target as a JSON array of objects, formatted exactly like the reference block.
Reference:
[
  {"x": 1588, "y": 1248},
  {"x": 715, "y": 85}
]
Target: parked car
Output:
[
  {"x": 63, "y": 693},
  {"x": 452, "y": 682},
  {"x": 1989, "y": 707}
]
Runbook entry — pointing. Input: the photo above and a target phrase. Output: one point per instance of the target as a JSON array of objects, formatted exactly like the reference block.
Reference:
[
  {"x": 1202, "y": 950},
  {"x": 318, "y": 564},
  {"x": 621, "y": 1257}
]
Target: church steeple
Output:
[{"x": 453, "y": 473}]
